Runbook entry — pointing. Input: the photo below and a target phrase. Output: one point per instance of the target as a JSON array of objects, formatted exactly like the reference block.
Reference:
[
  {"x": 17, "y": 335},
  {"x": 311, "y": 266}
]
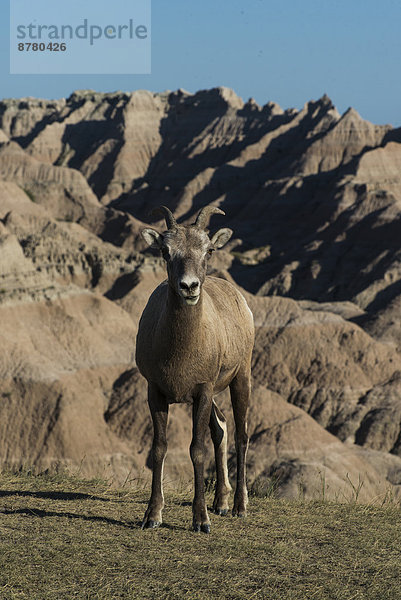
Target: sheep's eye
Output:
[
  {"x": 210, "y": 251},
  {"x": 165, "y": 253}
]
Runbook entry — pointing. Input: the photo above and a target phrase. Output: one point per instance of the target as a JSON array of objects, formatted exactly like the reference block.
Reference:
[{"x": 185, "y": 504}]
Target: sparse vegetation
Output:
[{"x": 62, "y": 538}]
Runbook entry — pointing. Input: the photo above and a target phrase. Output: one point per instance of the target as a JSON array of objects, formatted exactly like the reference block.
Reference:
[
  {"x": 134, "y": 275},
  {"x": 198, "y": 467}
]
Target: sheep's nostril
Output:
[{"x": 189, "y": 287}]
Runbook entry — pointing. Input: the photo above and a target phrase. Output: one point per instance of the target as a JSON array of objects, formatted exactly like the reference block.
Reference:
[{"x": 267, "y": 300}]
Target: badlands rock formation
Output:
[{"x": 314, "y": 198}]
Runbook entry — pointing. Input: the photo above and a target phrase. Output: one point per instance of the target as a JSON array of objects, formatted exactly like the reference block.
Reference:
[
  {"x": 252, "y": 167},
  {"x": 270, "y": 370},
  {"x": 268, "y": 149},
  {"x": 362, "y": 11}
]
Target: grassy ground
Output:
[{"x": 62, "y": 538}]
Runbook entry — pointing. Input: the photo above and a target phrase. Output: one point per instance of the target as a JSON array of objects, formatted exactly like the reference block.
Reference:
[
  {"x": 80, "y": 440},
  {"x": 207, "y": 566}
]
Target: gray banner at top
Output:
[{"x": 75, "y": 37}]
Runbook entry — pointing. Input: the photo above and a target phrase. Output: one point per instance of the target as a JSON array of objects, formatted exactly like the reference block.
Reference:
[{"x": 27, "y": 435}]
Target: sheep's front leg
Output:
[
  {"x": 202, "y": 405},
  {"x": 159, "y": 411}
]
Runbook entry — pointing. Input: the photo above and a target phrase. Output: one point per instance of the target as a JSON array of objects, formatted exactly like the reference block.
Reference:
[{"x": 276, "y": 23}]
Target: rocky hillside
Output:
[{"x": 314, "y": 198}]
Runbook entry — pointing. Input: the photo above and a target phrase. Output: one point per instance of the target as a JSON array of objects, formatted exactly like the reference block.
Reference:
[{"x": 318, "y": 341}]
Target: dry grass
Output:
[{"x": 61, "y": 538}]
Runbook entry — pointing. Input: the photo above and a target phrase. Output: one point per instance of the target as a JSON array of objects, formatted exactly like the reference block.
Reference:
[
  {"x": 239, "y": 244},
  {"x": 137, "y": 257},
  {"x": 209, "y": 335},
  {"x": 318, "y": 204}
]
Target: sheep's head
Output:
[{"x": 186, "y": 250}]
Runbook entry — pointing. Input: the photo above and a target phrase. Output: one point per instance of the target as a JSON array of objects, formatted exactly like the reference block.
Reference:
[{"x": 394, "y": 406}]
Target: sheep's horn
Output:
[
  {"x": 167, "y": 214},
  {"x": 202, "y": 219}
]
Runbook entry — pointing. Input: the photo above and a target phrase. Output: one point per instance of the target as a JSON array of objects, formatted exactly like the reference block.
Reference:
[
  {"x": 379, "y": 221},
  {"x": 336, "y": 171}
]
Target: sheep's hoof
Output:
[
  {"x": 205, "y": 527},
  {"x": 150, "y": 524},
  {"x": 238, "y": 513},
  {"x": 221, "y": 511}
]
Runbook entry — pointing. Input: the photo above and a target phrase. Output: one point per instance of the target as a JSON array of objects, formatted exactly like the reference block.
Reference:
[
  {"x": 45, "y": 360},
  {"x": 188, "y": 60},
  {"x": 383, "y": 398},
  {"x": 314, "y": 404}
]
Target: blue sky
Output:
[{"x": 287, "y": 51}]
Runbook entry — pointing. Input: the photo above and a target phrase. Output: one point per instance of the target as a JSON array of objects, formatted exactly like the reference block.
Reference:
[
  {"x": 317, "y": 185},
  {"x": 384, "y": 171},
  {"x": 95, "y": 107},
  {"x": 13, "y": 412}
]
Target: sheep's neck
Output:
[{"x": 183, "y": 322}]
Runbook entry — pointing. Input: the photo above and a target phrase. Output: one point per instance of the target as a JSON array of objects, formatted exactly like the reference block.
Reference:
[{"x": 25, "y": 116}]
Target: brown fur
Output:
[{"x": 190, "y": 353}]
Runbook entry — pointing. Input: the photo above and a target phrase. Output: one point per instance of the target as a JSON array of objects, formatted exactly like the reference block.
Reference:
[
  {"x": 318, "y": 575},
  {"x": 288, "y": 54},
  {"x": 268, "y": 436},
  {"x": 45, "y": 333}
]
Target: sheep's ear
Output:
[
  {"x": 221, "y": 237},
  {"x": 153, "y": 238}
]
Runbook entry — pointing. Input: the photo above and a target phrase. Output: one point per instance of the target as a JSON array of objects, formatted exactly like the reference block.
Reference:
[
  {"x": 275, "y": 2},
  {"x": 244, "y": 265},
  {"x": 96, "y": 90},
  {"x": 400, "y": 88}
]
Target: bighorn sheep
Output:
[{"x": 195, "y": 338}]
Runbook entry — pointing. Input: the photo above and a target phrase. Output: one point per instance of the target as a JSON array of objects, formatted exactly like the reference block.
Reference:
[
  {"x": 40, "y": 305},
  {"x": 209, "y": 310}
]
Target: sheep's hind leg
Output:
[
  {"x": 159, "y": 411},
  {"x": 240, "y": 389},
  {"x": 202, "y": 405},
  {"x": 218, "y": 430}
]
